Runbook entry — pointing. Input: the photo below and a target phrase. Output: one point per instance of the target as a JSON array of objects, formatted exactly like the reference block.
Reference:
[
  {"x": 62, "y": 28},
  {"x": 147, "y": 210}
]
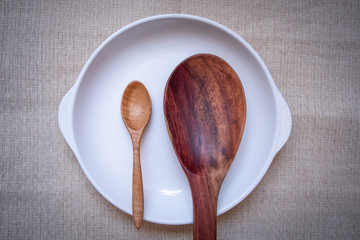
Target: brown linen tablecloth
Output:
[{"x": 312, "y": 49}]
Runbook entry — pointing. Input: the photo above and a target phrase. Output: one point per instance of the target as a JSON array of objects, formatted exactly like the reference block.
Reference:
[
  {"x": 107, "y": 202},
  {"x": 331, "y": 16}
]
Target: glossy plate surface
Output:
[{"x": 149, "y": 50}]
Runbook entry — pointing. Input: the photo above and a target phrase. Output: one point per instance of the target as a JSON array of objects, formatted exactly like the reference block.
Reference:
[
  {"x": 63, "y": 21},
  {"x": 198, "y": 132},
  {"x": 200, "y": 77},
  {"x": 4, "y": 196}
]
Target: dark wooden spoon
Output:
[{"x": 205, "y": 112}]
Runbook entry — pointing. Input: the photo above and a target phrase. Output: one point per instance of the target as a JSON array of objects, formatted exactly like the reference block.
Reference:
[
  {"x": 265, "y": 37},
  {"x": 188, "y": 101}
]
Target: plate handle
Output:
[
  {"x": 285, "y": 122},
  {"x": 65, "y": 118}
]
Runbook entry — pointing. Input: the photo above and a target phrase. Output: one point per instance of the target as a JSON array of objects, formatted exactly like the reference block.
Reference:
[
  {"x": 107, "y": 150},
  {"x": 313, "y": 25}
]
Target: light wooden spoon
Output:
[
  {"x": 205, "y": 111},
  {"x": 135, "y": 112}
]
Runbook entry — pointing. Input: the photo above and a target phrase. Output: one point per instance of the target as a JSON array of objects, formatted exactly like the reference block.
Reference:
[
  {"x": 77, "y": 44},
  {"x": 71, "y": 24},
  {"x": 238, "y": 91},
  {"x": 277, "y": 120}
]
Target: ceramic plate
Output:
[{"x": 148, "y": 50}]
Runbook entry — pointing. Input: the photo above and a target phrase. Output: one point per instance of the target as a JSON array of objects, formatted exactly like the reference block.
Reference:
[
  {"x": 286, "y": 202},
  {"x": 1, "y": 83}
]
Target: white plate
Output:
[{"x": 148, "y": 50}]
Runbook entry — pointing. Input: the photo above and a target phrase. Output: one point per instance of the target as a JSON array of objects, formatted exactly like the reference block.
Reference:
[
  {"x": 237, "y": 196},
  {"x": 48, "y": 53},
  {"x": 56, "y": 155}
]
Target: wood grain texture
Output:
[
  {"x": 135, "y": 111},
  {"x": 137, "y": 186},
  {"x": 205, "y": 112}
]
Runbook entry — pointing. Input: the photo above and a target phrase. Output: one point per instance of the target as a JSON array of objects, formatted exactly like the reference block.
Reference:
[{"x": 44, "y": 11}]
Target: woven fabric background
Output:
[{"x": 312, "y": 49}]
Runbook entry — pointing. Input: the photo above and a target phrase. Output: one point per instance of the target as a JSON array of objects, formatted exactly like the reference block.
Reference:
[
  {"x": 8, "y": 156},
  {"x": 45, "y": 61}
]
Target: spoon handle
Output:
[
  {"x": 204, "y": 207},
  {"x": 137, "y": 188}
]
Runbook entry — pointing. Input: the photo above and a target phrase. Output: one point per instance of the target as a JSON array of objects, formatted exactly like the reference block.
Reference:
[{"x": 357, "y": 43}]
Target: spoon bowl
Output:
[
  {"x": 205, "y": 112},
  {"x": 135, "y": 106},
  {"x": 135, "y": 112}
]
